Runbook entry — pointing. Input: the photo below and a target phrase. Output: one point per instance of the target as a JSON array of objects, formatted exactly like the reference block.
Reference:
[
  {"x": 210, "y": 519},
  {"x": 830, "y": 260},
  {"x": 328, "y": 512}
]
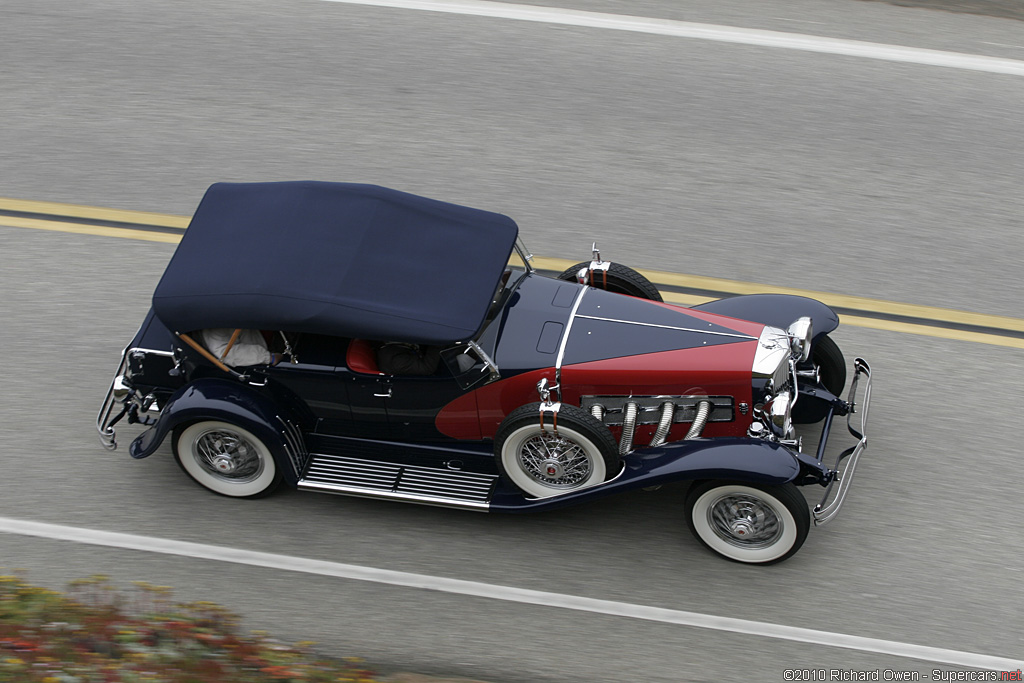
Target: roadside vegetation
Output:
[{"x": 94, "y": 633}]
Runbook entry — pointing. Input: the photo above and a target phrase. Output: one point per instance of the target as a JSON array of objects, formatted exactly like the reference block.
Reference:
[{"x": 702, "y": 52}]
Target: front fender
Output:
[
  {"x": 777, "y": 310},
  {"x": 219, "y": 399},
  {"x": 729, "y": 458},
  {"x": 735, "y": 459}
]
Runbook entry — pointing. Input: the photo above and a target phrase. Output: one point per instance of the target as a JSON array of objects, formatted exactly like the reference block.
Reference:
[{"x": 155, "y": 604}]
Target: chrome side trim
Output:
[
  {"x": 737, "y": 335},
  {"x": 565, "y": 336},
  {"x": 155, "y": 352},
  {"x": 409, "y": 483},
  {"x": 294, "y": 445},
  {"x": 825, "y": 513}
]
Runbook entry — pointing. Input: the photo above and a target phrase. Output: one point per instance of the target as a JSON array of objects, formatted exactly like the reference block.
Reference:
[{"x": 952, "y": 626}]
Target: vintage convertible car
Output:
[{"x": 526, "y": 392}]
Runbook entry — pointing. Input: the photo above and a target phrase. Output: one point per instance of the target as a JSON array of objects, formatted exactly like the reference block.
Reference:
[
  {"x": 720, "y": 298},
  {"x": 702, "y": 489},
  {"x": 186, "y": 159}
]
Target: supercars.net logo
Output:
[{"x": 818, "y": 675}]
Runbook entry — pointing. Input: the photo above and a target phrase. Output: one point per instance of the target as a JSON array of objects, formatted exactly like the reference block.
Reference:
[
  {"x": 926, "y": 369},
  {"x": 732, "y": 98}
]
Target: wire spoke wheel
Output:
[
  {"x": 543, "y": 461},
  {"x": 226, "y": 459},
  {"x": 554, "y": 460}
]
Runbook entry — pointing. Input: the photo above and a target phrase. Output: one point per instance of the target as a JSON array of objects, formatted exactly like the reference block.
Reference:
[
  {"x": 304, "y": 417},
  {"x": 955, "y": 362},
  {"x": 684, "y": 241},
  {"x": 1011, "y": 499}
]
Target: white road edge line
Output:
[
  {"x": 725, "y": 34},
  {"x": 202, "y": 551}
]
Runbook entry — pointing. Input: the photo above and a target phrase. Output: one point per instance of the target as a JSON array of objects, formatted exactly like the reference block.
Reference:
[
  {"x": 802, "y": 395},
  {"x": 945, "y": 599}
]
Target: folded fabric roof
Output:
[{"x": 335, "y": 258}]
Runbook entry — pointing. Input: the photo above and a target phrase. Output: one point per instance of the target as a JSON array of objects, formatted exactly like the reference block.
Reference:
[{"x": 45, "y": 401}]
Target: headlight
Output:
[
  {"x": 777, "y": 410},
  {"x": 800, "y": 333}
]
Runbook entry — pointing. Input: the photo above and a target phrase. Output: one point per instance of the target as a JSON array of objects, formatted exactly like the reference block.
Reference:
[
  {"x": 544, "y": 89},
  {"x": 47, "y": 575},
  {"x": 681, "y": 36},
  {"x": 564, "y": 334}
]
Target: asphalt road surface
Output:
[{"x": 852, "y": 175}]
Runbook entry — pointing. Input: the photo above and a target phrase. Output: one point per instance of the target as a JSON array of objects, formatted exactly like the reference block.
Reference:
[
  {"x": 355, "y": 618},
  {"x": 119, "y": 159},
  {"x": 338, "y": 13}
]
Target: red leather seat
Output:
[{"x": 362, "y": 357}]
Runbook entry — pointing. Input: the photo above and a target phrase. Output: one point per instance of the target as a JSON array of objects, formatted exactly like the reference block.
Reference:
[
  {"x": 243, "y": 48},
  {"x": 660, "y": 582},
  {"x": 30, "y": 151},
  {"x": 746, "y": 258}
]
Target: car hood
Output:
[
  {"x": 605, "y": 325},
  {"x": 552, "y": 323}
]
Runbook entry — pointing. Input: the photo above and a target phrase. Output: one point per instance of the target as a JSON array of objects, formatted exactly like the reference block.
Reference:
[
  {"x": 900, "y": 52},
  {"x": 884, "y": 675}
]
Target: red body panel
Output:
[
  {"x": 744, "y": 326},
  {"x": 478, "y": 414},
  {"x": 712, "y": 362},
  {"x": 722, "y": 370}
]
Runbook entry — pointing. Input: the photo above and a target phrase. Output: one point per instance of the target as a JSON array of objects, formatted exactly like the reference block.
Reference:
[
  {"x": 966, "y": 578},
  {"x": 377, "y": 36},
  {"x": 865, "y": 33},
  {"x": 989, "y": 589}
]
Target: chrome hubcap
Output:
[
  {"x": 223, "y": 463},
  {"x": 227, "y": 455},
  {"x": 741, "y": 528},
  {"x": 554, "y": 460},
  {"x": 744, "y": 520},
  {"x": 553, "y": 469}
]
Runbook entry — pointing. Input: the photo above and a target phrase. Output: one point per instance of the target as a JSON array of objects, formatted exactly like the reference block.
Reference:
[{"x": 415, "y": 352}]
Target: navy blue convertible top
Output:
[{"x": 335, "y": 258}]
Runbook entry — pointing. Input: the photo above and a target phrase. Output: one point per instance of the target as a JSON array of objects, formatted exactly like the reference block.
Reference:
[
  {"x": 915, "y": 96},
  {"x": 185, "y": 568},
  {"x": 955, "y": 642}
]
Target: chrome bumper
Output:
[
  {"x": 116, "y": 395},
  {"x": 122, "y": 400},
  {"x": 827, "y": 509}
]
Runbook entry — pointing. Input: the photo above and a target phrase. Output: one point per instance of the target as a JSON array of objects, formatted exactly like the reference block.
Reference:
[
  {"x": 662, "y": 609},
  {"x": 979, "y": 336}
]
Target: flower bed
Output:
[{"x": 95, "y": 634}]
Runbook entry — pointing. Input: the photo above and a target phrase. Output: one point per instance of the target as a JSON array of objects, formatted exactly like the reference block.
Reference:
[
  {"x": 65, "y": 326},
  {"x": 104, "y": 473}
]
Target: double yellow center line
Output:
[
  {"x": 675, "y": 287},
  {"x": 90, "y": 220}
]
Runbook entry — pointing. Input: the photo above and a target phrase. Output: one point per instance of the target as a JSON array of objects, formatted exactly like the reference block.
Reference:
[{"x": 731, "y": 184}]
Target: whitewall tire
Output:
[
  {"x": 548, "y": 461},
  {"x": 750, "y": 523},
  {"x": 226, "y": 459}
]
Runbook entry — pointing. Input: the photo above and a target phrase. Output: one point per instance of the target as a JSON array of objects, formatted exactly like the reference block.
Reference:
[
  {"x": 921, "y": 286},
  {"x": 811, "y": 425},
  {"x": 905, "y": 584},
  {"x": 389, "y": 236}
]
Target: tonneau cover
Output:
[{"x": 335, "y": 258}]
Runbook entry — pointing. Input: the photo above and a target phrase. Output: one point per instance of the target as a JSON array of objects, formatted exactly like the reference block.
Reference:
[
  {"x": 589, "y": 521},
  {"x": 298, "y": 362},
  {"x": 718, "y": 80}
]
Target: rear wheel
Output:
[
  {"x": 226, "y": 459},
  {"x": 749, "y": 523},
  {"x": 618, "y": 278},
  {"x": 573, "y": 453}
]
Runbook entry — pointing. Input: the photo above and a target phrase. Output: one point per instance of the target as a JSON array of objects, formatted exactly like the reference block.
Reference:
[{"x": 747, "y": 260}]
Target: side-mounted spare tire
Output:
[
  {"x": 618, "y": 278},
  {"x": 571, "y": 451}
]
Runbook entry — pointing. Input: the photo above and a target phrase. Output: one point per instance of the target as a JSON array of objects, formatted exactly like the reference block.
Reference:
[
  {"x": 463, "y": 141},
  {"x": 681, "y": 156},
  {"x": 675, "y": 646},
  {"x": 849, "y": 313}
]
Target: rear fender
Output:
[
  {"x": 777, "y": 310},
  {"x": 219, "y": 399}
]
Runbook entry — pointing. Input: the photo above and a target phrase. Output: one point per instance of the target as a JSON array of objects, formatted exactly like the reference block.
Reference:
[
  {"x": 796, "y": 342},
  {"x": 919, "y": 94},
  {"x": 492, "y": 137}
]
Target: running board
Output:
[{"x": 410, "y": 483}]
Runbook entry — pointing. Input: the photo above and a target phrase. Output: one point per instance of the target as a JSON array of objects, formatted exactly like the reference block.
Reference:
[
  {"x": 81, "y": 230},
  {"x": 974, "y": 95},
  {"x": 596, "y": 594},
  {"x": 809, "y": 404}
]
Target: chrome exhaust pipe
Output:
[
  {"x": 703, "y": 410},
  {"x": 668, "y": 412},
  {"x": 628, "y": 427}
]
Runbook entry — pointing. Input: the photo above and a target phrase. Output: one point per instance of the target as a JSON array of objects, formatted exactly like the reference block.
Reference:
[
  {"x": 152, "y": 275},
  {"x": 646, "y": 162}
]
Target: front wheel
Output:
[
  {"x": 830, "y": 366},
  {"x": 546, "y": 460},
  {"x": 749, "y": 523},
  {"x": 618, "y": 278},
  {"x": 828, "y": 358},
  {"x": 226, "y": 459}
]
